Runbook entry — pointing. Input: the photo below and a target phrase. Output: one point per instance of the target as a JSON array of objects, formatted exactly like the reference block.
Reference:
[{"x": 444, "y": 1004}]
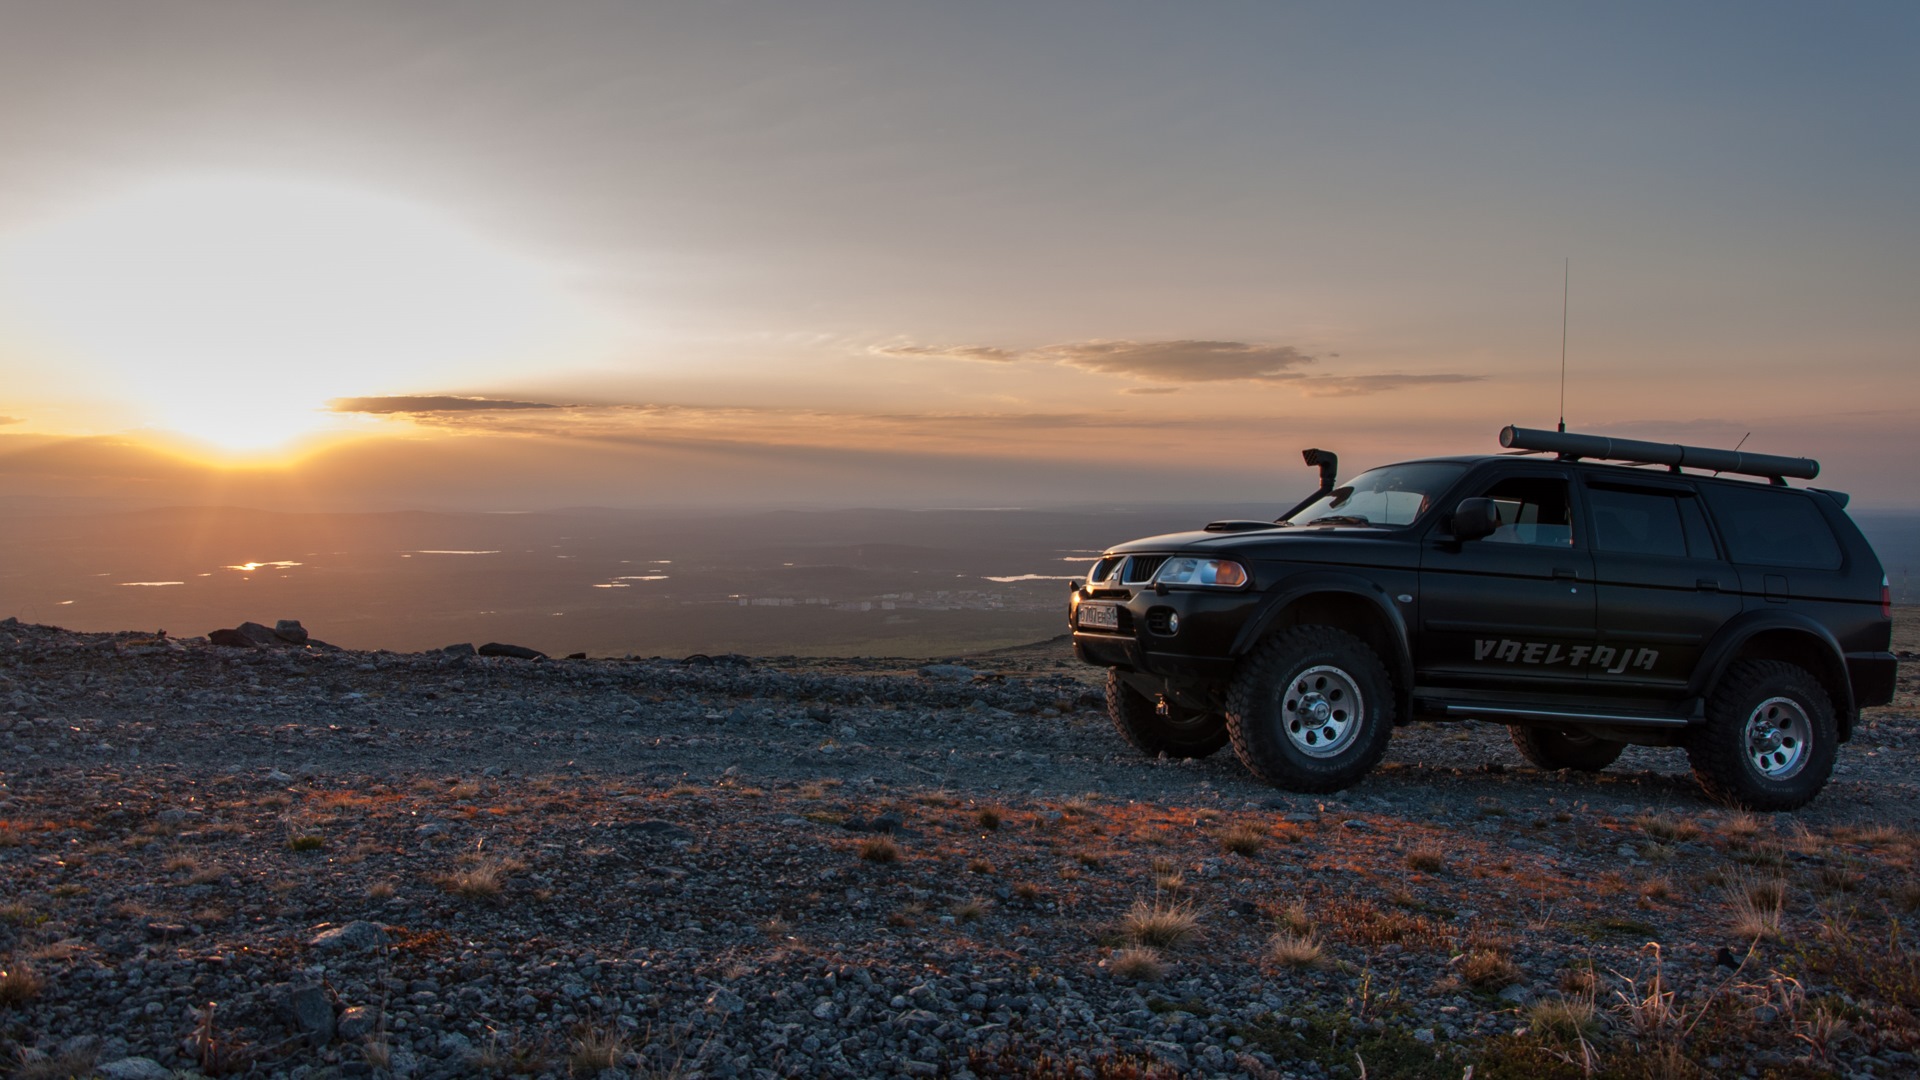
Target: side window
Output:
[
  {"x": 1642, "y": 522},
  {"x": 1773, "y": 527},
  {"x": 1699, "y": 537},
  {"x": 1533, "y": 511}
]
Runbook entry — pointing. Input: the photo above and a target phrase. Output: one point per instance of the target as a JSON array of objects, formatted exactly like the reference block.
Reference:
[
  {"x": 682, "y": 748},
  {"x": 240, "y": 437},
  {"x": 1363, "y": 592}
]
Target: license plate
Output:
[{"x": 1099, "y": 617}]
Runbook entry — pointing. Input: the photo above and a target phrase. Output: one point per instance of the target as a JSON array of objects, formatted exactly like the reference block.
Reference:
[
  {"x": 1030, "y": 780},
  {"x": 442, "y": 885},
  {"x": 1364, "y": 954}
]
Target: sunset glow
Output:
[{"x": 229, "y": 310}]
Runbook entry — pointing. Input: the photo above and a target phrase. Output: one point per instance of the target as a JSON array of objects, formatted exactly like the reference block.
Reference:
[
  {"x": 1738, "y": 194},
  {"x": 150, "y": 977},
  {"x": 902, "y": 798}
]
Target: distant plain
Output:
[{"x": 613, "y": 582}]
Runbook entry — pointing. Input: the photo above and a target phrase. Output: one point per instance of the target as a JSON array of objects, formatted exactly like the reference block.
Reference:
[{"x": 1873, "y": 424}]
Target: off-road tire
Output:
[
  {"x": 1730, "y": 752},
  {"x": 1559, "y": 748},
  {"x": 1181, "y": 733},
  {"x": 1274, "y": 713}
]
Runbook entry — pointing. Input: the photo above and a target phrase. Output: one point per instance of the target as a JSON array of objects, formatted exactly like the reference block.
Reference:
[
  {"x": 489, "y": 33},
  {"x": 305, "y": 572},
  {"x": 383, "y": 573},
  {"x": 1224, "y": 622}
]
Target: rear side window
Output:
[
  {"x": 1772, "y": 527},
  {"x": 1640, "y": 522}
]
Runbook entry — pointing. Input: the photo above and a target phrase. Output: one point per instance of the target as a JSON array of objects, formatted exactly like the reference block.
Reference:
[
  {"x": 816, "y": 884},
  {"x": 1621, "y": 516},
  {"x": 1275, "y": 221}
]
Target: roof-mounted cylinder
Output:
[{"x": 1599, "y": 447}]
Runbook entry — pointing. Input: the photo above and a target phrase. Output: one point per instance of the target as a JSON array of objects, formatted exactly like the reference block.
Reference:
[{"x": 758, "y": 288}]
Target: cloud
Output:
[
  {"x": 1355, "y": 385},
  {"x": 431, "y": 403},
  {"x": 1187, "y": 362},
  {"x": 5, "y": 420},
  {"x": 1182, "y": 361},
  {"x": 986, "y": 353}
]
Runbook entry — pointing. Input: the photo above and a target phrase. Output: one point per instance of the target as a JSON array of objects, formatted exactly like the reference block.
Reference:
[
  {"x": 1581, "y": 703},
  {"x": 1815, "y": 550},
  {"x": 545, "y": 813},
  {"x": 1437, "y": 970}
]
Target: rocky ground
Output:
[{"x": 285, "y": 861}]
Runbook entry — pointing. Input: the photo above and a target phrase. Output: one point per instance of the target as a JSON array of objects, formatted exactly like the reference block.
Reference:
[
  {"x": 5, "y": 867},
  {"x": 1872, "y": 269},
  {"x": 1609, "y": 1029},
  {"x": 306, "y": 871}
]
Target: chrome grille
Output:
[{"x": 1140, "y": 568}]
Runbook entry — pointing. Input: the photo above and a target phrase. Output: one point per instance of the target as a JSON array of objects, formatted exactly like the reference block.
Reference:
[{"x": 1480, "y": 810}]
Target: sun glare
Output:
[{"x": 230, "y": 310}]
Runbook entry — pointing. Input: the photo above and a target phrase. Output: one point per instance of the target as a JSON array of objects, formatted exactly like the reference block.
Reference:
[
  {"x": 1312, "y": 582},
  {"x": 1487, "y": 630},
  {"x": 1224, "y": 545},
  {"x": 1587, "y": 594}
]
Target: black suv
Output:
[{"x": 1582, "y": 598}]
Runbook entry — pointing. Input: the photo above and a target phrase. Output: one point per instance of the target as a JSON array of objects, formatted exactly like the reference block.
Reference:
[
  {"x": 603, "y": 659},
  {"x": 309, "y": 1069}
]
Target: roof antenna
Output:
[{"x": 1566, "y": 280}]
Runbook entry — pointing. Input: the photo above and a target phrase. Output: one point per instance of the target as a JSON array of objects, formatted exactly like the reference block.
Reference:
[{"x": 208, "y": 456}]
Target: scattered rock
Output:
[
  {"x": 290, "y": 631},
  {"x": 465, "y": 648},
  {"x": 356, "y": 936},
  {"x": 357, "y": 1023},
  {"x": 134, "y": 1068},
  {"x": 310, "y": 1011}
]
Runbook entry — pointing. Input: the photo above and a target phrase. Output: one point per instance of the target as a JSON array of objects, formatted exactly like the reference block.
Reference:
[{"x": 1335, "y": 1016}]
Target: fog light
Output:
[{"x": 1173, "y": 622}]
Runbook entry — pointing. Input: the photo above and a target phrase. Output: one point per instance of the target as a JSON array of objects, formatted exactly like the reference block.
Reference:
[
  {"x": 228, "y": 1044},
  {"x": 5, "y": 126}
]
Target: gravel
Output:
[{"x": 286, "y": 861}]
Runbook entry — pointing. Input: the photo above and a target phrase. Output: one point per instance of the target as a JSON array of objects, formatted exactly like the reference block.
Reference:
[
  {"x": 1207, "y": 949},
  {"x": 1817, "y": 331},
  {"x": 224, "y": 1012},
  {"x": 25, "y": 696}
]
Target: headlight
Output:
[{"x": 1220, "y": 573}]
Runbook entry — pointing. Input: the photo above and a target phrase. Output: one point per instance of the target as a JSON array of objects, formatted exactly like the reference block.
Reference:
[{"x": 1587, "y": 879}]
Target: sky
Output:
[{"x": 510, "y": 256}]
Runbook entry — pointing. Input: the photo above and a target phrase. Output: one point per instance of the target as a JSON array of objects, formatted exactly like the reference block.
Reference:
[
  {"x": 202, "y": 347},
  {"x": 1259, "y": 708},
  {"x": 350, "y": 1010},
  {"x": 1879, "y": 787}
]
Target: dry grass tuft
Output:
[
  {"x": 1756, "y": 905},
  {"x": 1027, "y": 892},
  {"x": 879, "y": 849},
  {"x": 1297, "y": 950},
  {"x": 1167, "y": 877},
  {"x": 380, "y": 890},
  {"x": 482, "y": 878},
  {"x": 1295, "y": 919},
  {"x": 1563, "y": 1020},
  {"x": 1426, "y": 859},
  {"x": 972, "y": 909},
  {"x": 1161, "y": 924},
  {"x": 1362, "y": 922},
  {"x": 1657, "y": 888},
  {"x": 1579, "y": 982},
  {"x": 19, "y": 983},
  {"x": 989, "y": 817},
  {"x": 1244, "y": 840},
  {"x": 594, "y": 1049},
  {"x": 1137, "y": 964},
  {"x": 306, "y": 841},
  {"x": 19, "y": 914},
  {"x": 980, "y": 866},
  {"x": 1488, "y": 969},
  {"x": 1670, "y": 829}
]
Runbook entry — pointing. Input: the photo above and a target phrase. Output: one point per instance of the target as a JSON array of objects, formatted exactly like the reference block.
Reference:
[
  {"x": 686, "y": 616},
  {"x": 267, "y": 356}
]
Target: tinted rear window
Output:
[{"x": 1773, "y": 527}]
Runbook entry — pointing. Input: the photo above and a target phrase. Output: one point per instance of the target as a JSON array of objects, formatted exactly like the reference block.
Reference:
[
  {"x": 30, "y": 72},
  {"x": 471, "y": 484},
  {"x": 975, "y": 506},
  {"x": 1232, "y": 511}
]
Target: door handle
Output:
[
  {"x": 1710, "y": 584},
  {"x": 1566, "y": 573}
]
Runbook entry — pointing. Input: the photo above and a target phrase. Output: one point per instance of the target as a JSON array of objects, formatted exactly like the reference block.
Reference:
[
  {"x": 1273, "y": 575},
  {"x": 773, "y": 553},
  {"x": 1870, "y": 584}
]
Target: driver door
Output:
[{"x": 1514, "y": 610}]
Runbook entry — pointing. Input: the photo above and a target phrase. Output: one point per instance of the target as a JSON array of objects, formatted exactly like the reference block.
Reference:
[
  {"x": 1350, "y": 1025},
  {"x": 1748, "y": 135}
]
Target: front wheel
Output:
[
  {"x": 1310, "y": 710},
  {"x": 1558, "y": 748},
  {"x": 1769, "y": 740},
  {"x": 1154, "y": 729}
]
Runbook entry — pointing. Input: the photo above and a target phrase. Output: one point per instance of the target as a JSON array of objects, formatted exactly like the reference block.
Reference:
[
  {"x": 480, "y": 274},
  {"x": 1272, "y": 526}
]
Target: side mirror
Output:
[{"x": 1475, "y": 518}]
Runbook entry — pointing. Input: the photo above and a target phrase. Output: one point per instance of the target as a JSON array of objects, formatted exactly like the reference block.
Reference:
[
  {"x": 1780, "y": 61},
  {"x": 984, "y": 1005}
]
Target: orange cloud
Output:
[{"x": 1186, "y": 362}]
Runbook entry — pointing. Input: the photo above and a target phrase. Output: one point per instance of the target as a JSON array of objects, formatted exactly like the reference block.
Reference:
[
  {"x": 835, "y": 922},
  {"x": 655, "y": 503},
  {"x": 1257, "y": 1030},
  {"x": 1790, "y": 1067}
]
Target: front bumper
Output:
[{"x": 1208, "y": 623}]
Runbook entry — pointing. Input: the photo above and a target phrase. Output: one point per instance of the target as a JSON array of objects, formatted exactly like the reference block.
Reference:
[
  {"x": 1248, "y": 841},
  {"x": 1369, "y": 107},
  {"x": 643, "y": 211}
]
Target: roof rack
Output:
[{"x": 1573, "y": 447}]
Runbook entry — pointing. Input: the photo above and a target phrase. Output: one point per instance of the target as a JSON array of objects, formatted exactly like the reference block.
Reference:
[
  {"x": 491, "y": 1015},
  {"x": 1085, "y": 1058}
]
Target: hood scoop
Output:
[{"x": 1239, "y": 525}]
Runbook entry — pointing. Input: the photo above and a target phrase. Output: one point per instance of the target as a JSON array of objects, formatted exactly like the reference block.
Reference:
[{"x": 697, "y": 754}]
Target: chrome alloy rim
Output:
[
  {"x": 1321, "y": 709},
  {"x": 1777, "y": 738}
]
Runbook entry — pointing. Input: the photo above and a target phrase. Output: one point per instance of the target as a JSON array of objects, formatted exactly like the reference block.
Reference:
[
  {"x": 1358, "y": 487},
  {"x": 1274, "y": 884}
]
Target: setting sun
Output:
[{"x": 229, "y": 310}]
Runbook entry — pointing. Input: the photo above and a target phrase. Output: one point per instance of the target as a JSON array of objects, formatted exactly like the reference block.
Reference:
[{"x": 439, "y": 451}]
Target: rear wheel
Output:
[
  {"x": 1154, "y": 729},
  {"x": 1769, "y": 740},
  {"x": 1559, "y": 748},
  {"x": 1310, "y": 710}
]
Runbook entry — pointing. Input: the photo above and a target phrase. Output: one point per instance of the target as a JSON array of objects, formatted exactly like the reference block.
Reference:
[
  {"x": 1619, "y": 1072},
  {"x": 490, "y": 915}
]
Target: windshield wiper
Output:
[{"x": 1341, "y": 519}]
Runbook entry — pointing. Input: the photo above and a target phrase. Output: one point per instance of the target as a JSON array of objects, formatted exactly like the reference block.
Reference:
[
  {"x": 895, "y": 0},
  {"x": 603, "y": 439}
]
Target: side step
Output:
[{"x": 1466, "y": 710}]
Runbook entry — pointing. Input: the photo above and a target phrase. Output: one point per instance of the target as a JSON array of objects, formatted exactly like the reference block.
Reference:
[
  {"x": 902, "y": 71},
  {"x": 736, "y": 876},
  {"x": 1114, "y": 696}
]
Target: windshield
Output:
[{"x": 1394, "y": 495}]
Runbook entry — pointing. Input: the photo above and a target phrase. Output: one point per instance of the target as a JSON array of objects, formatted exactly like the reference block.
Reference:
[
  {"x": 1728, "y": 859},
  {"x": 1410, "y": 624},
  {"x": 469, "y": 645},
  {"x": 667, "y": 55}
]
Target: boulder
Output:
[
  {"x": 290, "y": 631},
  {"x": 258, "y": 634},
  {"x": 232, "y": 639},
  {"x": 465, "y": 648},
  {"x": 517, "y": 652}
]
